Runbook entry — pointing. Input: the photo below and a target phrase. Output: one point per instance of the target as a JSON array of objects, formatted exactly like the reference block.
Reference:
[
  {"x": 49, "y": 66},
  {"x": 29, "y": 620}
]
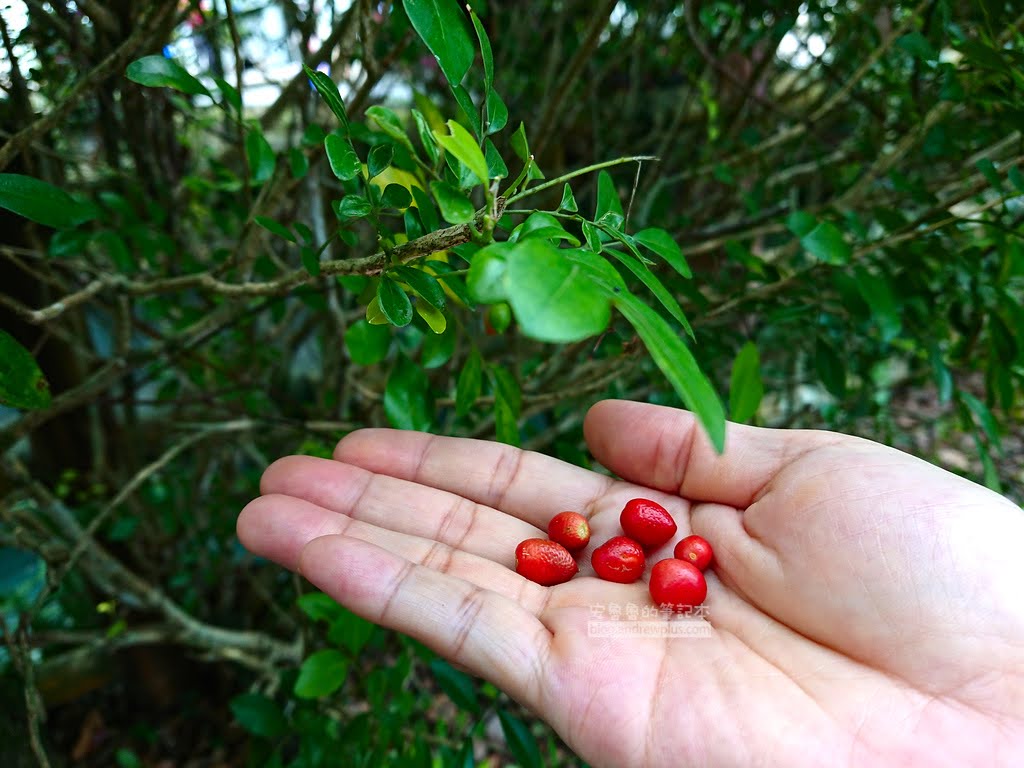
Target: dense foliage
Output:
[{"x": 235, "y": 230}]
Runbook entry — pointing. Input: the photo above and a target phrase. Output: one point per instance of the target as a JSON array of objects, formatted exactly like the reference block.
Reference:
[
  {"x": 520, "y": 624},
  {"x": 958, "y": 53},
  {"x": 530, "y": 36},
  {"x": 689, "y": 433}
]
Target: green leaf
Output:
[
  {"x": 455, "y": 207},
  {"x": 568, "y": 200},
  {"x": 396, "y": 196},
  {"x": 823, "y": 240},
  {"x": 660, "y": 242},
  {"x": 426, "y": 137},
  {"x": 917, "y": 45},
  {"x": 393, "y": 302},
  {"x": 407, "y": 401},
  {"x": 329, "y": 93},
  {"x": 438, "y": 347},
  {"x": 442, "y": 26},
  {"x": 458, "y": 685},
  {"x": 986, "y": 419},
  {"x": 425, "y": 208},
  {"x": 507, "y": 387},
  {"x": 943, "y": 377},
  {"x": 485, "y": 50},
  {"x": 486, "y": 280},
  {"x": 877, "y": 293},
  {"x": 676, "y": 361},
  {"x": 321, "y": 674},
  {"x": 506, "y": 422},
  {"x": 374, "y": 314},
  {"x": 231, "y": 95},
  {"x": 467, "y": 390},
  {"x": 988, "y": 170},
  {"x": 607, "y": 197},
  {"x": 463, "y": 146},
  {"x": 551, "y": 298},
  {"x": 745, "y": 386},
  {"x": 352, "y": 207},
  {"x": 991, "y": 474},
  {"x": 259, "y": 715},
  {"x": 319, "y": 607},
  {"x": 342, "y": 157},
  {"x": 42, "y": 202},
  {"x": 519, "y": 143},
  {"x": 298, "y": 162},
  {"x": 380, "y": 159},
  {"x": 161, "y": 72},
  {"x": 593, "y": 236},
  {"x": 496, "y": 168},
  {"x": 830, "y": 368},
  {"x": 425, "y": 285},
  {"x": 261, "y": 156},
  {"x": 275, "y": 227},
  {"x": 465, "y": 102},
  {"x": 649, "y": 279},
  {"x": 366, "y": 343},
  {"x": 22, "y": 384},
  {"x": 1016, "y": 178},
  {"x": 350, "y": 631},
  {"x": 310, "y": 260},
  {"x": 521, "y": 742},
  {"x": 497, "y": 113},
  {"x": 541, "y": 224},
  {"x": 389, "y": 123},
  {"x": 433, "y": 317}
]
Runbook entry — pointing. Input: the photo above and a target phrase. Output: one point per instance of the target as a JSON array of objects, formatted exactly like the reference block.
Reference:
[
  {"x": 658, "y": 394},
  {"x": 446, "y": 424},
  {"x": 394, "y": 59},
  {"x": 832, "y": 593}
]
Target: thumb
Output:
[{"x": 666, "y": 448}]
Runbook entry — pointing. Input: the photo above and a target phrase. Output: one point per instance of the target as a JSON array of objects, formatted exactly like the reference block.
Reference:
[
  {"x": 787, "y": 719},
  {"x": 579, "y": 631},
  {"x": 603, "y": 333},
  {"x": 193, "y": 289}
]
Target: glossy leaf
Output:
[
  {"x": 162, "y": 72},
  {"x": 342, "y": 157},
  {"x": 458, "y": 685},
  {"x": 441, "y": 24},
  {"x": 328, "y": 91},
  {"x": 425, "y": 285},
  {"x": 275, "y": 227},
  {"x": 367, "y": 343},
  {"x": 389, "y": 123},
  {"x": 468, "y": 107},
  {"x": 497, "y": 113},
  {"x": 607, "y": 197},
  {"x": 310, "y": 260},
  {"x": 745, "y": 385},
  {"x": 407, "y": 401},
  {"x": 380, "y": 159},
  {"x": 42, "y": 202},
  {"x": 396, "y": 196},
  {"x": 521, "y": 742},
  {"x": 568, "y": 200},
  {"x": 469, "y": 384},
  {"x": 463, "y": 146},
  {"x": 259, "y": 715},
  {"x": 551, "y": 298},
  {"x": 322, "y": 673},
  {"x": 432, "y": 316},
  {"x": 496, "y": 168},
  {"x": 426, "y": 136},
  {"x": 676, "y": 361},
  {"x": 353, "y": 207},
  {"x": 393, "y": 302},
  {"x": 660, "y": 242},
  {"x": 261, "y": 156},
  {"x": 350, "y": 631},
  {"x": 455, "y": 207},
  {"x": 22, "y": 384},
  {"x": 519, "y": 143}
]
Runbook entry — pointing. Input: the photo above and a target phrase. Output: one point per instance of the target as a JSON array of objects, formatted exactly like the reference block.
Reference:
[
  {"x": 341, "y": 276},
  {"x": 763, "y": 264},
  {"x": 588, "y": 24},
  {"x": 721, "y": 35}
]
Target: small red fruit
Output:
[
  {"x": 648, "y": 522},
  {"x": 570, "y": 529},
  {"x": 677, "y": 584},
  {"x": 545, "y": 562},
  {"x": 619, "y": 559},
  {"x": 695, "y": 549}
]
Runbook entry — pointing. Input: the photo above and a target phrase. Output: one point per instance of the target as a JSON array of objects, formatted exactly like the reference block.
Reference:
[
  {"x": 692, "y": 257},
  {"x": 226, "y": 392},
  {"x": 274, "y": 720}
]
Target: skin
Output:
[{"x": 863, "y": 608}]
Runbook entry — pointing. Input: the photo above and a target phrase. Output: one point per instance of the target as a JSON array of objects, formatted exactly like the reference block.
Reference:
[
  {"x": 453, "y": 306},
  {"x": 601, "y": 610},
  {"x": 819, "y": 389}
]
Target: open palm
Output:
[{"x": 864, "y": 607}]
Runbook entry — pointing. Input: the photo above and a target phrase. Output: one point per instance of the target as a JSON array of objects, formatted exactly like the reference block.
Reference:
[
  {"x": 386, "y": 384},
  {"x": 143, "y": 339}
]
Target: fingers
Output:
[
  {"x": 492, "y": 636},
  {"x": 666, "y": 448},
  {"x": 281, "y": 527},
  {"x": 400, "y": 505},
  {"x": 528, "y": 485}
]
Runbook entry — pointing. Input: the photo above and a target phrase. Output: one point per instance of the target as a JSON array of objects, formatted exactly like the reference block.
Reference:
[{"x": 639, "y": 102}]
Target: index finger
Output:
[{"x": 529, "y": 485}]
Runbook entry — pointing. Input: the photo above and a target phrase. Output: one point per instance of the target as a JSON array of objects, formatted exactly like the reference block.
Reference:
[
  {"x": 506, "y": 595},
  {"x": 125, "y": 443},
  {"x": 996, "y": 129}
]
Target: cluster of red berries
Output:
[{"x": 677, "y": 582}]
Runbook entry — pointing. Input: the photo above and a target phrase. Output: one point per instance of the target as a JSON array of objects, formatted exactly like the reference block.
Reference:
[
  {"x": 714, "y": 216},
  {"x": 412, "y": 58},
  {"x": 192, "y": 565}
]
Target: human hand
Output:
[{"x": 864, "y": 605}]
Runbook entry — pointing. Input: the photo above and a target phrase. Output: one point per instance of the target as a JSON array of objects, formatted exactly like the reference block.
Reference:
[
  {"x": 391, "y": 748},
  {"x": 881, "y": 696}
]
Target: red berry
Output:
[
  {"x": 677, "y": 584},
  {"x": 545, "y": 562},
  {"x": 695, "y": 549},
  {"x": 648, "y": 522},
  {"x": 619, "y": 559},
  {"x": 570, "y": 529}
]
